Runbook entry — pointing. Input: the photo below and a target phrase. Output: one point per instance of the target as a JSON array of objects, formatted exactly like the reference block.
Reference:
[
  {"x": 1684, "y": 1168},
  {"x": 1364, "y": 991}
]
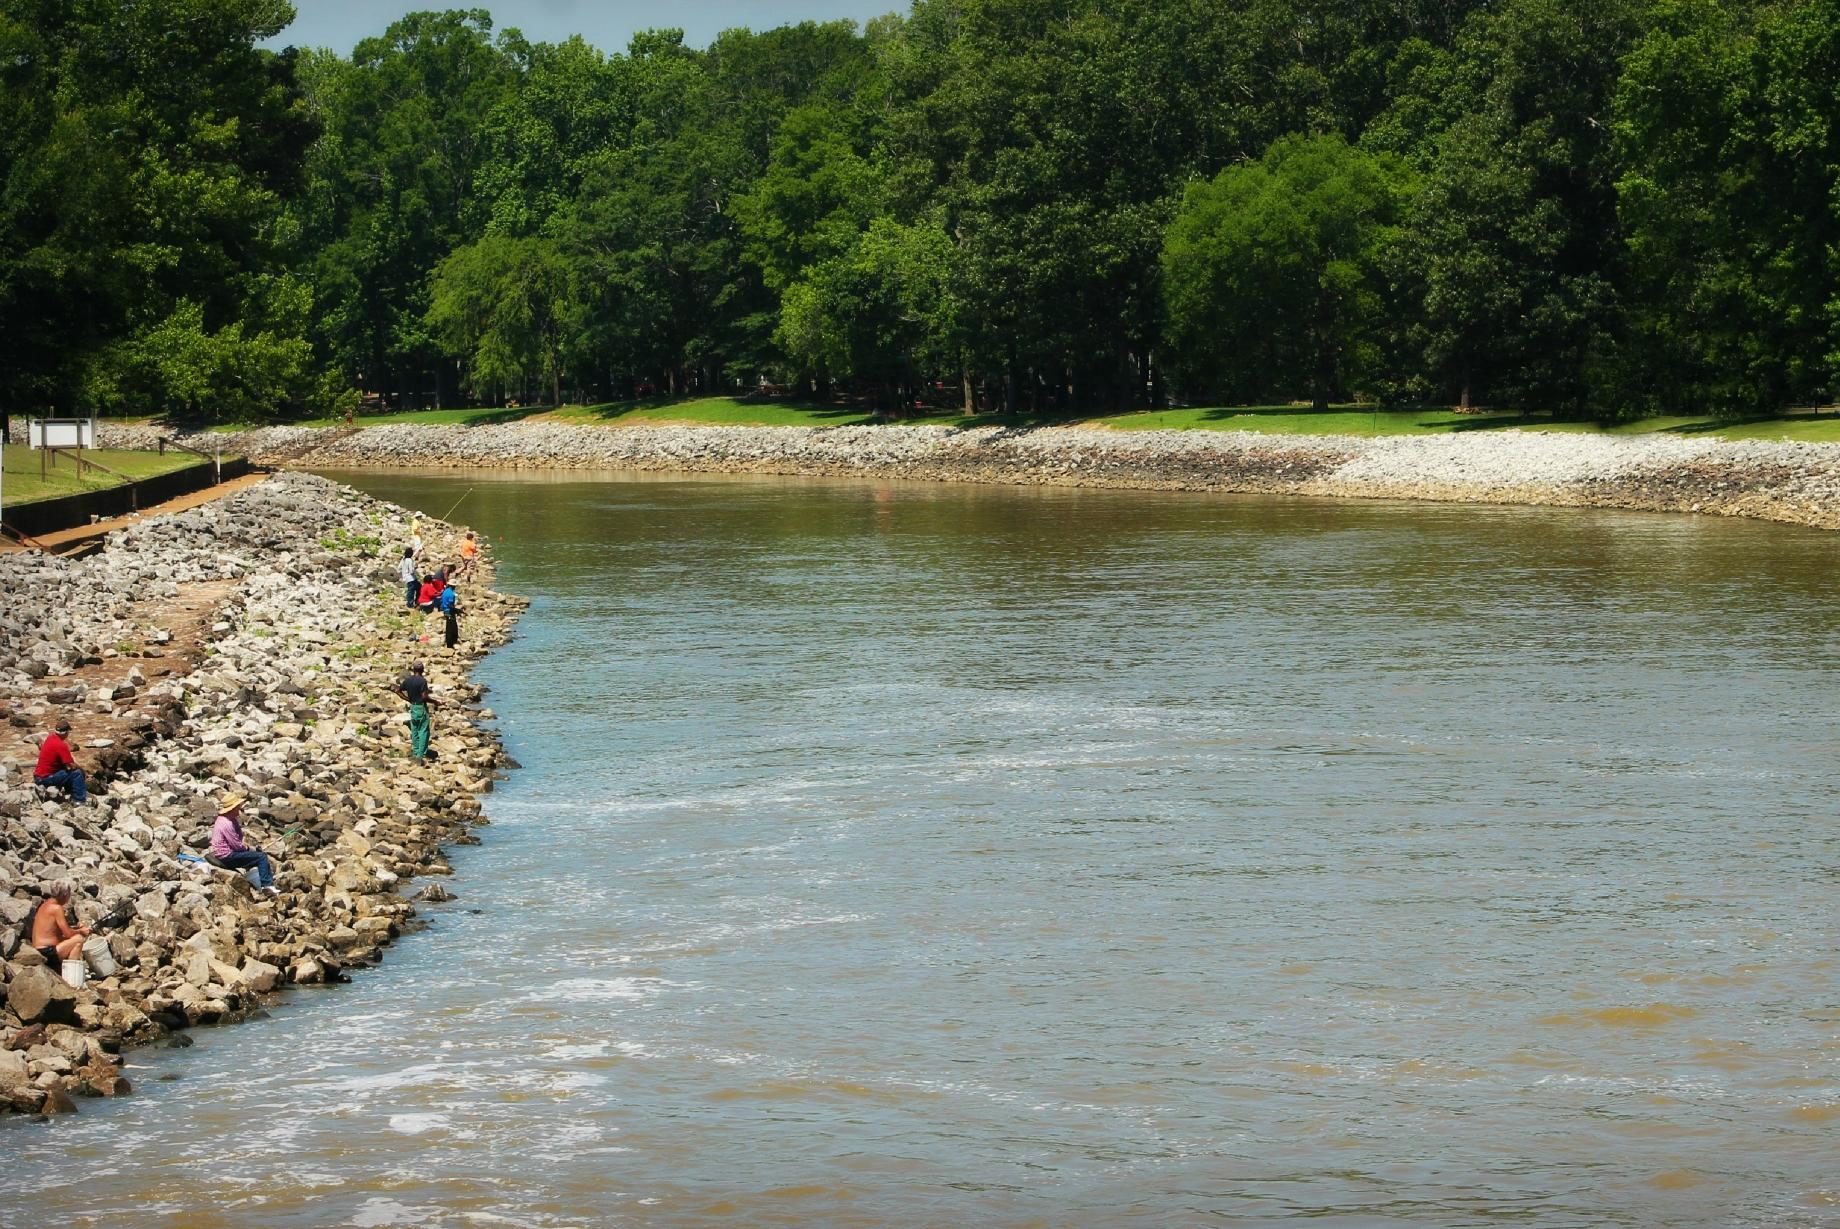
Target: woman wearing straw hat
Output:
[{"x": 228, "y": 849}]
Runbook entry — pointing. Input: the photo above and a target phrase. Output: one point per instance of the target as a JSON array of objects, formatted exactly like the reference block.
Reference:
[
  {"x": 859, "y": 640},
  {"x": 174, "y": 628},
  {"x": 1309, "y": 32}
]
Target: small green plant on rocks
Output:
[{"x": 343, "y": 539}]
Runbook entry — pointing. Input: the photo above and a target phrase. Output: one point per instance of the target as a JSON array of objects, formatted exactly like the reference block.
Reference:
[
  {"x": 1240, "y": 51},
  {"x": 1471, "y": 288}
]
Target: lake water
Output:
[{"x": 905, "y": 855}]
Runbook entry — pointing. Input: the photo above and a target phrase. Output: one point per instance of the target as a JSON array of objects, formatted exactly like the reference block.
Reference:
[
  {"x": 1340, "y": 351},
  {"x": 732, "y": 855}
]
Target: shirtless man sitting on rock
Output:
[{"x": 52, "y": 934}]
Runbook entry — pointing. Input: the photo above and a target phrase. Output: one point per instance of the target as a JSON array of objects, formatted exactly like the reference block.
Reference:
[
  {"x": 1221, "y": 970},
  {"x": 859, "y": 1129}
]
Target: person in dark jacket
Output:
[
  {"x": 449, "y": 606},
  {"x": 414, "y": 688}
]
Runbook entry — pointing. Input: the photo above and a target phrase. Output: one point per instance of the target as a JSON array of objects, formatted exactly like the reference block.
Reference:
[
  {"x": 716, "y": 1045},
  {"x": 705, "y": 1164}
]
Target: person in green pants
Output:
[{"x": 414, "y": 688}]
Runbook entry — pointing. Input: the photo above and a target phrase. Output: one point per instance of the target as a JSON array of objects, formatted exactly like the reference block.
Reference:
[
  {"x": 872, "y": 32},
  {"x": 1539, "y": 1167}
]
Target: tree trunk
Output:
[
  {"x": 964, "y": 379},
  {"x": 1325, "y": 379}
]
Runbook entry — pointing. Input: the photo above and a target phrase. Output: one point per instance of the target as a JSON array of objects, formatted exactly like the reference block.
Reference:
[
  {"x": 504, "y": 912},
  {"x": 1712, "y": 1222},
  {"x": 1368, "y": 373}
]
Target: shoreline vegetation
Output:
[
  {"x": 1048, "y": 206},
  {"x": 251, "y": 645},
  {"x": 1785, "y": 481}
]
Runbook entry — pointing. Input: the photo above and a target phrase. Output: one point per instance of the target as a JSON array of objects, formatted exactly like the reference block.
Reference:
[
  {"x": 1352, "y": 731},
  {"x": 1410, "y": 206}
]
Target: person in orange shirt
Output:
[
  {"x": 56, "y": 767},
  {"x": 469, "y": 556}
]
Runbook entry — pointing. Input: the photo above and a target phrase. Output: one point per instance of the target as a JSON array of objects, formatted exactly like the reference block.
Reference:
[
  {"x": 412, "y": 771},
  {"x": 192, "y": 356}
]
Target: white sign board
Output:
[{"x": 62, "y": 432}]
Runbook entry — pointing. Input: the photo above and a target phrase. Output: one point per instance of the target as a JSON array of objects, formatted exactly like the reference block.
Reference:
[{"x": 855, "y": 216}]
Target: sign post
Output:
[{"x": 47, "y": 435}]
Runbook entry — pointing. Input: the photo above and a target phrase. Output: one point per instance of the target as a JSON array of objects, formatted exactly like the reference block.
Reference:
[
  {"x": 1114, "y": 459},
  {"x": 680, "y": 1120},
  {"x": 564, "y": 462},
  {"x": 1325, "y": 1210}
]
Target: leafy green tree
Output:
[
  {"x": 145, "y": 152},
  {"x": 1275, "y": 271},
  {"x": 395, "y": 187},
  {"x": 567, "y": 106},
  {"x": 1023, "y": 126},
  {"x": 1514, "y": 250},
  {"x": 647, "y": 233},
  {"x": 1728, "y": 130},
  {"x": 880, "y": 311},
  {"x": 817, "y": 196},
  {"x": 500, "y": 306},
  {"x": 242, "y": 371}
]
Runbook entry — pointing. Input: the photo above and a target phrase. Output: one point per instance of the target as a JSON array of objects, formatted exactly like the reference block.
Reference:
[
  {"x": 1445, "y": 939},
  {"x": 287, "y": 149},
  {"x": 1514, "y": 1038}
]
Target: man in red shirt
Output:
[{"x": 57, "y": 768}]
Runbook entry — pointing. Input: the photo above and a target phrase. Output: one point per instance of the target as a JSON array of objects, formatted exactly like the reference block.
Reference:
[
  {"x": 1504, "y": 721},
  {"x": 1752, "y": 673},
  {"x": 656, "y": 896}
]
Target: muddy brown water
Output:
[{"x": 893, "y": 855}]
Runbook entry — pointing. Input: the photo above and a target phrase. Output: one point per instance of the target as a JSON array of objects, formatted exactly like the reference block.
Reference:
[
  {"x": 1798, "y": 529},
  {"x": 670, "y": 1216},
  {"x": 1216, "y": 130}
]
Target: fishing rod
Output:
[{"x": 458, "y": 502}]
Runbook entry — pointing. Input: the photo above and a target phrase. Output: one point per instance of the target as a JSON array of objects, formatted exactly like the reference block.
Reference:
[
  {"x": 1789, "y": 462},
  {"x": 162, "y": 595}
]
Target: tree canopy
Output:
[{"x": 1027, "y": 205}]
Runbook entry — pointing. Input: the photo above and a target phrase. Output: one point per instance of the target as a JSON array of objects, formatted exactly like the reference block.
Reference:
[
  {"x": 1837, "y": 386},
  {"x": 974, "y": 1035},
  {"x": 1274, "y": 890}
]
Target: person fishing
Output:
[
  {"x": 52, "y": 934},
  {"x": 449, "y": 605},
  {"x": 229, "y": 851},
  {"x": 414, "y": 688},
  {"x": 469, "y": 556},
  {"x": 405, "y": 575},
  {"x": 57, "y": 769}
]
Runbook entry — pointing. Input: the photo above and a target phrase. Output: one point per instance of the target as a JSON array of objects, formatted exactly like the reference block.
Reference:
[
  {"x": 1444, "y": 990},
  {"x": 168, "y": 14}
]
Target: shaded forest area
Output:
[{"x": 1608, "y": 209}]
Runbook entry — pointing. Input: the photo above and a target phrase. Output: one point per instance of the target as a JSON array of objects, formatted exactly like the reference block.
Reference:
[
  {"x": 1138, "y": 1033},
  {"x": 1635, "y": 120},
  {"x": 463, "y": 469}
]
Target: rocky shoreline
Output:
[
  {"x": 251, "y": 644},
  {"x": 1788, "y": 482}
]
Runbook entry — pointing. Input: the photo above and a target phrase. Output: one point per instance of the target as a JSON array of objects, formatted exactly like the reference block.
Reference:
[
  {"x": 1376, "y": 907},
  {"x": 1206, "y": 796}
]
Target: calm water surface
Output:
[{"x": 928, "y": 856}]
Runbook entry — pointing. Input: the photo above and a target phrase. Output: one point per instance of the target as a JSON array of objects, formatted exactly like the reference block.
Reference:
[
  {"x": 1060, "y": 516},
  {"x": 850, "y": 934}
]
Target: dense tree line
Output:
[{"x": 1615, "y": 208}]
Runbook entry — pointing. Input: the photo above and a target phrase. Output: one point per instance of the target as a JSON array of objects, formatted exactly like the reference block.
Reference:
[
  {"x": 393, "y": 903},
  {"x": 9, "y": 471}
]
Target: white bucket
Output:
[
  {"x": 98, "y": 957},
  {"x": 253, "y": 875},
  {"x": 76, "y": 974}
]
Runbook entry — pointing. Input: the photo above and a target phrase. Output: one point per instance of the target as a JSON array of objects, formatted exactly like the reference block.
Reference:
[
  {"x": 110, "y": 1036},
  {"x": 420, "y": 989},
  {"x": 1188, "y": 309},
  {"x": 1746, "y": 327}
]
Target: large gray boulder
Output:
[{"x": 38, "y": 996}]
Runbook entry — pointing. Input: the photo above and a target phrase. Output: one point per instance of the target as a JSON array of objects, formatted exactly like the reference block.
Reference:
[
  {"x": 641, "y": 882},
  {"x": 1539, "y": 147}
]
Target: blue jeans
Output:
[
  {"x": 247, "y": 858},
  {"x": 410, "y": 589},
  {"x": 70, "y": 779}
]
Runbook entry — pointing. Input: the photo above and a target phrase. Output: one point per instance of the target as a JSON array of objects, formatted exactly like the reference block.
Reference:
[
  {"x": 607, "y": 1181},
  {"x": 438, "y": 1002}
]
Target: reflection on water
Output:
[{"x": 939, "y": 856}]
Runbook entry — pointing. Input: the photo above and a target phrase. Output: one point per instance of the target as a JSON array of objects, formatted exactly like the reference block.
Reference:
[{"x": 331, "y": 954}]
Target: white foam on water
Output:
[
  {"x": 602, "y": 990},
  {"x": 402, "y": 1077},
  {"x": 377, "y": 1213},
  {"x": 416, "y": 1124}
]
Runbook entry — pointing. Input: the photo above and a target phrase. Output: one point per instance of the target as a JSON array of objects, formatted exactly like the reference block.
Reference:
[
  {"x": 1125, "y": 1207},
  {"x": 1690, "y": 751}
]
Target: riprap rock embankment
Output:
[
  {"x": 1790, "y": 482},
  {"x": 249, "y": 645}
]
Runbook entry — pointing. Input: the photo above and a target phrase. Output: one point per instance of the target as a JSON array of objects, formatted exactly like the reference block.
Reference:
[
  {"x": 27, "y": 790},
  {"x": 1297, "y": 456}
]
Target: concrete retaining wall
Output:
[{"x": 49, "y": 515}]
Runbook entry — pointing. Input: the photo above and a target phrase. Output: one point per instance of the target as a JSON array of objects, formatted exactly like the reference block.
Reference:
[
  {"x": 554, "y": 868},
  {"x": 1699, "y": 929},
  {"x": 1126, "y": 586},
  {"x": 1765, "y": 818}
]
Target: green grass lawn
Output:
[
  {"x": 1291, "y": 420},
  {"x": 714, "y": 411},
  {"x": 473, "y": 417},
  {"x": 1271, "y": 420},
  {"x": 723, "y": 411},
  {"x": 24, "y": 486},
  {"x": 1351, "y": 420}
]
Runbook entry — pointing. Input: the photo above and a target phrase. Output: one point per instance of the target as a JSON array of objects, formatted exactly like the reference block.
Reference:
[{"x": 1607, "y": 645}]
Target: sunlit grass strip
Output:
[
  {"x": 1269, "y": 420},
  {"x": 1350, "y": 420},
  {"x": 24, "y": 486}
]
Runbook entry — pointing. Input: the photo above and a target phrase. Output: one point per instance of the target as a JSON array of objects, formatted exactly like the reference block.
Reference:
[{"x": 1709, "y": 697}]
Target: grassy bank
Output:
[
  {"x": 24, "y": 486},
  {"x": 1352, "y": 420},
  {"x": 1270, "y": 420}
]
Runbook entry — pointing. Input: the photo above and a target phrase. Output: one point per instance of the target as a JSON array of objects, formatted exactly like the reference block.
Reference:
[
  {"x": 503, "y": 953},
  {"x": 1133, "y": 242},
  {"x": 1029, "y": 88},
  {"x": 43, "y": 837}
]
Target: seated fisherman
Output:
[
  {"x": 229, "y": 851},
  {"x": 52, "y": 934},
  {"x": 57, "y": 768}
]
